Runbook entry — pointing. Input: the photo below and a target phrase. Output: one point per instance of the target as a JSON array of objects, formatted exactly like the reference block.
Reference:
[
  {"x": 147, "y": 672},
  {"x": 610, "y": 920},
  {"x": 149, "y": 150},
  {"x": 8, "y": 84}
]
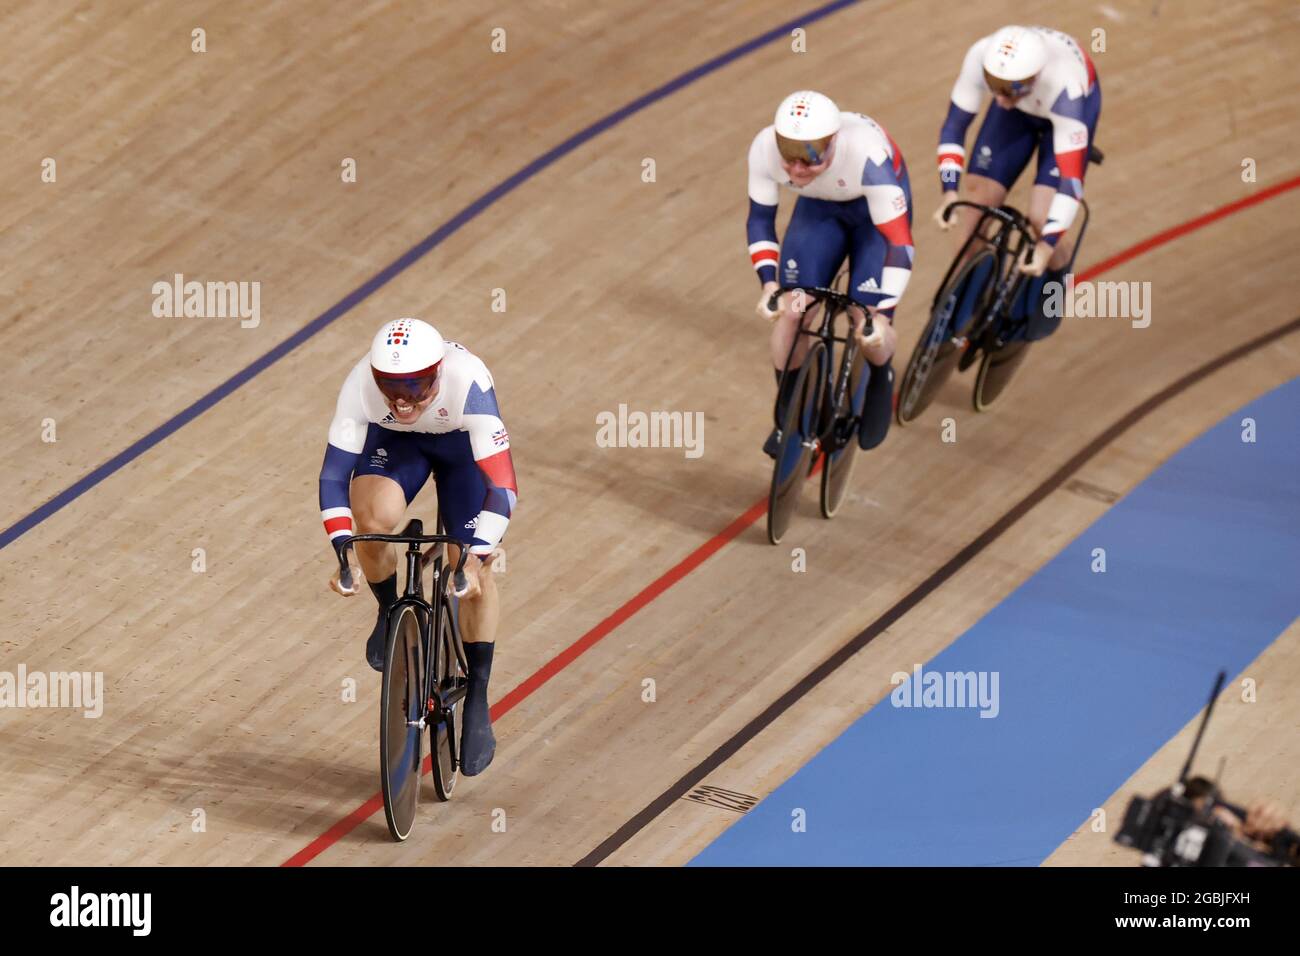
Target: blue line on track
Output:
[{"x": 402, "y": 263}]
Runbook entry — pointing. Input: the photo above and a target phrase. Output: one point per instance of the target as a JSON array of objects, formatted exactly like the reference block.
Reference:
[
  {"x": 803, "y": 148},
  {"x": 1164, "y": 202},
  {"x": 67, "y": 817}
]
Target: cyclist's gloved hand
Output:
[
  {"x": 764, "y": 302},
  {"x": 1034, "y": 259},
  {"x": 949, "y": 197},
  {"x": 475, "y": 565},
  {"x": 878, "y": 345},
  {"x": 349, "y": 588}
]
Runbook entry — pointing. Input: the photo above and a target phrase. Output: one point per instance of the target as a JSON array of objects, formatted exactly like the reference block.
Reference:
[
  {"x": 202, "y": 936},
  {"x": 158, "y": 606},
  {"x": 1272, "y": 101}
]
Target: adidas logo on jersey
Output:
[{"x": 869, "y": 286}]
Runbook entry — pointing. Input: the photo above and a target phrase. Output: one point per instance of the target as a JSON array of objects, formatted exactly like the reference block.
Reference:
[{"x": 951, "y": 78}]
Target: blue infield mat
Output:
[{"x": 1095, "y": 672}]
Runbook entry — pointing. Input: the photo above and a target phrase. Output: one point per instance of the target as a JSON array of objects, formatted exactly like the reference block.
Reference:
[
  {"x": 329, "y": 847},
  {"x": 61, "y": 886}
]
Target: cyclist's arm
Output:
[
  {"x": 887, "y": 204},
  {"x": 760, "y": 227},
  {"x": 491, "y": 446},
  {"x": 967, "y": 96},
  {"x": 1070, "y": 143},
  {"x": 347, "y": 437}
]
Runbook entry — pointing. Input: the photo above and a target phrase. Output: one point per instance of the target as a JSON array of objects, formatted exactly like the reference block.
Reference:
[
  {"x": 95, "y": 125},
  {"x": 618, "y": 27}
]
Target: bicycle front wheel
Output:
[
  {"x": 937, "y": 351},
  {"x": 401, "y": 706},
  {"x": 837, "y": 469},
  {"x": 447, "y": 676},
  {"x": 798, "y": 443}
]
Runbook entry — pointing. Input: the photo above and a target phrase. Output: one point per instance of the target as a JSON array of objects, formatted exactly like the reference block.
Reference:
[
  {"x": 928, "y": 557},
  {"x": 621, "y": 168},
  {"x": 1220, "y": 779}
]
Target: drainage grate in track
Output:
[
  {"x": 1088, "y": 490},
  {"x": 719, "y": 797}
]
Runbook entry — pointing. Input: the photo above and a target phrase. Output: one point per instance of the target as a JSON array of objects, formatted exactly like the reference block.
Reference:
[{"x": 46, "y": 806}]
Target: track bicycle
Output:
[
  {"x": 823, "y": 413},
  {"x": 424, "y": 677}
]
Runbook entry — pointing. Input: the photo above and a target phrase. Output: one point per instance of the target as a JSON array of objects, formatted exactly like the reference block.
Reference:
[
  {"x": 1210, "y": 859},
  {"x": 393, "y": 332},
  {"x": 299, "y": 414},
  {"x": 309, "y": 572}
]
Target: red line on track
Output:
[
  {"x": 705, "y": 551},
  {"x": 1169, "y": 235},
  {"x": 644, "y": 597}
]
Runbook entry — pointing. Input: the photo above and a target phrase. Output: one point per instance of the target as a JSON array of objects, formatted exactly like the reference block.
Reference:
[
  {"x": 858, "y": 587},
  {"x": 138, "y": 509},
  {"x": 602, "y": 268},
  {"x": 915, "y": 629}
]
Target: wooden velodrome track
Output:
[{"x": 223, "y": 688}]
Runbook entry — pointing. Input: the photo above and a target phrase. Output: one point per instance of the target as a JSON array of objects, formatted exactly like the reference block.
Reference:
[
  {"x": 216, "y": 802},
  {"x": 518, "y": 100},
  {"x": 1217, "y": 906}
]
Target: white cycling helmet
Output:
[
  {"x": 1013, "y": 60},
  {"x": 806, "y": 124},
  {"x": 405, "y": 358}
]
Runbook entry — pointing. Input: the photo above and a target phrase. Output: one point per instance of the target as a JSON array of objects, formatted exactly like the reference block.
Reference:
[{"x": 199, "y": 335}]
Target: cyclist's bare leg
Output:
[
  {"x": 378, "y": 506},
  {"x": 479, "y": 614},
  {"x": 785, "y": 331},
  {"x": 978, "y": 189},
  {"x": 785, "y": 328}
]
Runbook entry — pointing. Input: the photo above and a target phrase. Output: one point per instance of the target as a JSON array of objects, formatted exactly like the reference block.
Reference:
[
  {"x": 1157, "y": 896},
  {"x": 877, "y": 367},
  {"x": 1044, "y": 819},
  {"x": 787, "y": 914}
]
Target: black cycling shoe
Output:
[
  {"x": 377, "y": 643},
  {"x": 772, "y": 444},
  {"x": 478, "y": 745},
  {"x": 385, "y": 593}
]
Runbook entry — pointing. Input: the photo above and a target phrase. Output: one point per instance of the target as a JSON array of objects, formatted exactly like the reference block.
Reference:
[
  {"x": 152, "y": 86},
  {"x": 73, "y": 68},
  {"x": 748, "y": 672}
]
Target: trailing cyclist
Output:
[
  {"x": 1046, "y": 97},
  {"x": 854, "y": 200}
]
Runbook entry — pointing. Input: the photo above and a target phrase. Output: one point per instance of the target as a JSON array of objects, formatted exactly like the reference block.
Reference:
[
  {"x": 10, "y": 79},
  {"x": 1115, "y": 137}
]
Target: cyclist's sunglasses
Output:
[
  {"x": 814, "y": 152},
  {"x": 413, "y": 387},
  {"x": 1015, "y": 89}
]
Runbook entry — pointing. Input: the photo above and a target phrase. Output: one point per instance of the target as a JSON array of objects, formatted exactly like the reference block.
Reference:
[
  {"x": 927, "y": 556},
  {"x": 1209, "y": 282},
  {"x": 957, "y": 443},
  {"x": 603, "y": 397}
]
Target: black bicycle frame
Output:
[
  {"x": 1012, "y": 224},
  {"x": 826, "y": 332},
  {"x": 431, "y": 618}
]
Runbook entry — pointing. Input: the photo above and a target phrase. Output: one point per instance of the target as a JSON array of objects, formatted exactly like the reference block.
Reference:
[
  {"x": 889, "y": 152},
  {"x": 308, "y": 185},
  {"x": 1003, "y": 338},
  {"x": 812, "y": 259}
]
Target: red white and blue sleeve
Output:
[
  {"x": 887, "y": 204},
  {"x": 347, "y": 437},
  {"x": 764, "y": 194},
  {"x": 491, "y": 447},
  {"x": 1070, "y": 143},
  {"x": 967, "y": 97}
]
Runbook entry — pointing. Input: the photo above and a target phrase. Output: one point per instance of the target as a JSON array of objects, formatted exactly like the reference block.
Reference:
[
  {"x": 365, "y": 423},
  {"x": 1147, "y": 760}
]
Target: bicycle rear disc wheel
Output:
[
  {"x": 937, "y": 351},
  {"x": 442, "y": 733},
  {"x": 837, "y": 469},
  {"x": 995, "y": 372},
  {"x": 795, "y": 451},
  {"x": 401, "y": 703}
]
